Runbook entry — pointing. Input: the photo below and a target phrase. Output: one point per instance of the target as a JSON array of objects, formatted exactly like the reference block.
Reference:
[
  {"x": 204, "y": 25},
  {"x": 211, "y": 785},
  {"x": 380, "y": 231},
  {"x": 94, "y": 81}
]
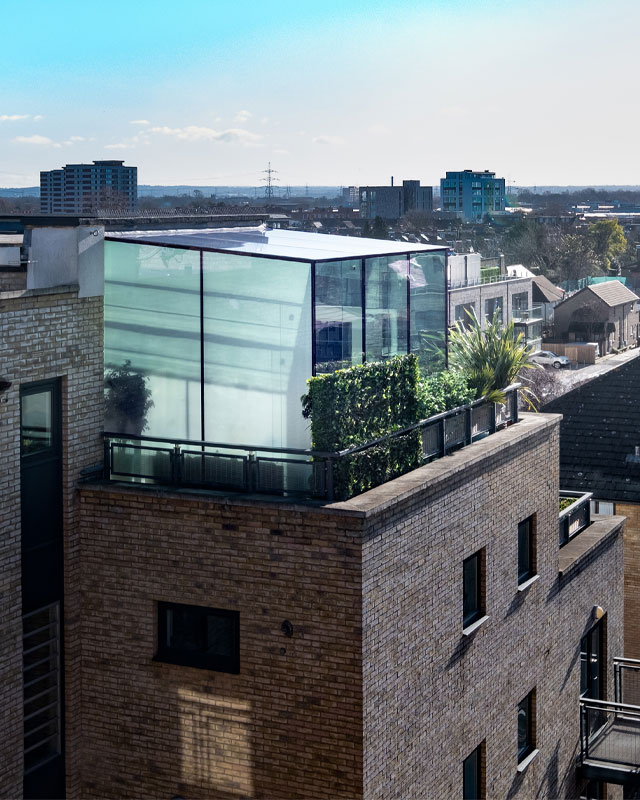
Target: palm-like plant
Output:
[{"x": 490, "y": 359}]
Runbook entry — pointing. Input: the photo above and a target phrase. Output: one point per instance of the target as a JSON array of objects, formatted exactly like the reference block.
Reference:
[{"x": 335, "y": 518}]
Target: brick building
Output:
[
  {"x": 600, "y": 437},
  {"x": 426, "y": 638}
]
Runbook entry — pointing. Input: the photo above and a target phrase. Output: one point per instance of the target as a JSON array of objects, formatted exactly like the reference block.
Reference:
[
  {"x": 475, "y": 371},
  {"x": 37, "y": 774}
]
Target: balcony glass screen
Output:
[{"x": 338, "y": 323}]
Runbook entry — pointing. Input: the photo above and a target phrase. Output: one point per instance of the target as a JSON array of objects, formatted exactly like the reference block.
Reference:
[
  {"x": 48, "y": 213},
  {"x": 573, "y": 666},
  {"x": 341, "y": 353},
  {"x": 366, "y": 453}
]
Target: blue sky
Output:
[{"x": 331, "y": 93}]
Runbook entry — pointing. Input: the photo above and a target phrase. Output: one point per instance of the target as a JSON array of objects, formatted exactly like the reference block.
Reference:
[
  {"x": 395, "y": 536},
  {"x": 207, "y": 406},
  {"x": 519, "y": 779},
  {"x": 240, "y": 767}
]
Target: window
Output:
[
  {"x": 526, "y": 561},
  {"x": 602, "y": 507},
  {"x": 37, "y": 411},
  {"x": 493, "y": 306},
  {"x": 198, "y": 637},
  {"x": 462, "y": 313},
  {"x": 472, "y": 782},
  {"x": 526, "y": 711},
  {"x": 472, "y": 589}
]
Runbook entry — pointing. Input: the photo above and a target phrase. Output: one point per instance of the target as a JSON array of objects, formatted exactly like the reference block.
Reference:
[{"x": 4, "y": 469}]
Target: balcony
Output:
[
  {"x": 575, "y": 515},
  {"x": 610, "y": 731},
  {"x": 295, "y": 473}
]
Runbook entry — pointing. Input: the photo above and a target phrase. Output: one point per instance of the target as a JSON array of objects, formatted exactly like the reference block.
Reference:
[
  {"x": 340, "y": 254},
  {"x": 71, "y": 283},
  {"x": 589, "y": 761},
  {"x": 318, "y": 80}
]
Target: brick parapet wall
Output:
[{"x": 43, "y": 334}]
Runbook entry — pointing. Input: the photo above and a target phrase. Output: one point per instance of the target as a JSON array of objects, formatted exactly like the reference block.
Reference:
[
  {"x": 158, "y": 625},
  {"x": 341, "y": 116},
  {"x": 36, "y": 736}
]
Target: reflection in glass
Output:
[
  {"x": 338, "y": 323},
  {"x": 257, "y": 349},
  {"x": 35, "y": 421},
  {"x": 524, "y": 727},
  {"x": 427, "y": 300},
  {"x": 152, "y": 320},
  {"x": 471, "y": 776},
  {"x": 386, "y": 306},
  {"x": 471, "y": 590}
]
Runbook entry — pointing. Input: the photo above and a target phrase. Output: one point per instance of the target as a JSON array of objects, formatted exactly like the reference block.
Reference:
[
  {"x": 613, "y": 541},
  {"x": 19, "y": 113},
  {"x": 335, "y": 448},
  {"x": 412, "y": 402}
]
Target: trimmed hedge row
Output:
[{"x": 356, "y": 405}]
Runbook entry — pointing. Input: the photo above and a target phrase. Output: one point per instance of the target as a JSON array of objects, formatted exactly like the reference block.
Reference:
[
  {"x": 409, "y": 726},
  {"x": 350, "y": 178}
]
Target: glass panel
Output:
[
  {"x": 524, "y": 550},
  {"x": 471, "y": 592},
  {"x": 493, "y": 306},
  {"x": 36, "y": 414},
  {"x": 152, "y": 340},
  {"x": 428, "y": 309},
  {"x": 386, "y": 306},
  {"x": 220, "y": 635},
  {"x": 185, "y": 630},
  {"x": 462, "y": 313},
  {"x": 257, "y": 350},
  {"x": 583, "y": 666},
  {"x": 471, "y": 776},
  {"x": 338, "y": 324},
  {"x": 524, "y": 709},
  {"x": 520, "y": 302},
  {"x": 595, "y": 688}
]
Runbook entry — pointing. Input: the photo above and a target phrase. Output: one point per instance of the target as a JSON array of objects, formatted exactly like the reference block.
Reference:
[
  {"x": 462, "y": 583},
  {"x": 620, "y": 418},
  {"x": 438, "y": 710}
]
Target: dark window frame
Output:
[
  {"x": 527, "y": 704},
  {"x": 526, "y": 554},
  {"x": 198, "y": 658},
  {"x": 474, "y": 789},
  {"x": 472, "y": 613}
]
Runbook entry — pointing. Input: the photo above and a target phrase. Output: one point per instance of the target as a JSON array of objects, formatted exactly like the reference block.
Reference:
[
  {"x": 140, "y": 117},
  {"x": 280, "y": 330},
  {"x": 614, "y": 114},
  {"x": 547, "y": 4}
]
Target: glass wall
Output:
[
  {"x": 257, "y": 349},
  {"x": 338, "y": 323},
  {"x": 427, "y": 298},
  {"x": 386, "y": 306},
  {"x": 152, "y": 340}
]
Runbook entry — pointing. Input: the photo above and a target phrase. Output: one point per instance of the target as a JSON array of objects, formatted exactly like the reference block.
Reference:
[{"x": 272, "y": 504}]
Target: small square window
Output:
[
  {"x": 526, "y": 559},
  {"x": 195, "y": 636},
  {"x": 526, "y": 710},
  {"x": 472, "y": 777},
  {"x": 472, "y": 605}
]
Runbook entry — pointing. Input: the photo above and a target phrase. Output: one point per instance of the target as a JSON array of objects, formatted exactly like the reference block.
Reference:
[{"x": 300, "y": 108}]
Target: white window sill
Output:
[
  {"x": 522, "y": 587},
  {"x": 522, "y": 765},
  {"x": 474, "y": 626}
]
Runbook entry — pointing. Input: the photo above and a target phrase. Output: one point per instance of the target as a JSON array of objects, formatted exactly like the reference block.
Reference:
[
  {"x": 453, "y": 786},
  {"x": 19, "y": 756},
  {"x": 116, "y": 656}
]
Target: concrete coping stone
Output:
[{"x": 601, "y": 528}]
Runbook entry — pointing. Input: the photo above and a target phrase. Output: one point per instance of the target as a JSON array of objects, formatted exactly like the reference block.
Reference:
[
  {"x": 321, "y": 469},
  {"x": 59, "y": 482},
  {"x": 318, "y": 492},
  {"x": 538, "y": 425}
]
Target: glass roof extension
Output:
[{"x": 282, "y": 244}]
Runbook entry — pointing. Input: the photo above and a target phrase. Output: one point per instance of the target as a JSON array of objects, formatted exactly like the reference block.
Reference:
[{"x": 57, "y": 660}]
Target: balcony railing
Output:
[
  {"x": 610, "y": 733},
  {"x": 288, "y": 472},
  {"x": 575, "y": 517}
]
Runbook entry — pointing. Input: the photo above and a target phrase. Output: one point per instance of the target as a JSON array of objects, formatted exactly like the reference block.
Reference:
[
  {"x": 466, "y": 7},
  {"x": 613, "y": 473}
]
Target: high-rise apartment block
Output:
[
  {"x": 85, "y": 188},
  {"x": 391, "y": 202},
  {"x": 472, "y": 194}
]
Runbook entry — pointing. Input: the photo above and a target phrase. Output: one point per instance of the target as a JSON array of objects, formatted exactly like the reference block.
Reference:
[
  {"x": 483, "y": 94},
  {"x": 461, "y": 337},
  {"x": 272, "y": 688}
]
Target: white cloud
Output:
[
  {"x": 335, "y": 140},
  {"x": 36, "y": 139},
  {"x": 139, "y": 122},
  {"x": 242, "y": 116},
  {"x": 77, "y": 139},
  {"x": 195, "y": 133},
  {"x": 119, "y": 146},
  {"x": 12, "y": 117},
  {"x": 38, "y": 117}
]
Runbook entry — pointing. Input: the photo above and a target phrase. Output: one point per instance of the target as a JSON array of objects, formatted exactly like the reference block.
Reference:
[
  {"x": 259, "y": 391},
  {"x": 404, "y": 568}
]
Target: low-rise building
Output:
[
  {"x": 392, "y": 202},
  {"x": 472, "y": 194},
  {"x": 606, "y": 313}
]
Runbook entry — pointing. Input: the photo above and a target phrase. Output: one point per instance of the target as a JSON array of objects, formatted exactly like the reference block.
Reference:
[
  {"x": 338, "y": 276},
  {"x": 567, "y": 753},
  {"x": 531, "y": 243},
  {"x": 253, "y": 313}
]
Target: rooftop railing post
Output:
[
  {"x": 175, "y": 464},
  {"x": 107, "y": 458},
  {"x": 617, "y": 682},
  {"x": 492, "y": 418},
  {"x": 443, "y": 437},
  {"x": 329, "y": 478},
  {"x": 251, "y": 472},
  {"x": 514, "y": 405},
  {"x": 468, "y": 425}
]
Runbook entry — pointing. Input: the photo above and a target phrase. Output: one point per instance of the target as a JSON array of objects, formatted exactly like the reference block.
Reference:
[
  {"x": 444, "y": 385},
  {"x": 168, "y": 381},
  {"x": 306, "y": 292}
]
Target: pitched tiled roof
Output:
[
  {"x": 599, "y": 433},
  {"x": 613, "y": 293},
  {"x": 544, "y": 291}
]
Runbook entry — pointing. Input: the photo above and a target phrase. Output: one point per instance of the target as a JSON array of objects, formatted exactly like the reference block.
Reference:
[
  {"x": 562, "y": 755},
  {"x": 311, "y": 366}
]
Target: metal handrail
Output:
[{"x": 175, "y": 450}]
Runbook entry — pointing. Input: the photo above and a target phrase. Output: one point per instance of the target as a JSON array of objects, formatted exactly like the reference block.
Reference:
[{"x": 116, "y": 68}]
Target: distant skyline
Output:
[{"x": 206, "y": 93}]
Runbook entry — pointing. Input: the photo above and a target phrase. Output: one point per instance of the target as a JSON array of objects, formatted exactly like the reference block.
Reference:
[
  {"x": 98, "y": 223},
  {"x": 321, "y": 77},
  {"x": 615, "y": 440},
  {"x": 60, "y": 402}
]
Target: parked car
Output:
[{"x": 547, "y": 358}]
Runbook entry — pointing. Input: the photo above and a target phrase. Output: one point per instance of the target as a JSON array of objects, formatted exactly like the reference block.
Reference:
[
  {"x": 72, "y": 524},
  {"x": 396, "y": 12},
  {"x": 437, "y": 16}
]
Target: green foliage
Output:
[
  {"x": 357, "y": 405},
  {"x": 443, "y": 392},
  {"x": 490, "y": 359},
  {"x": 565, "y": 502},
  {"x": 353, "y": 406},
  {"x": 487, "y": 274},
  {"x": 379, "y": 230},
  {"x": 127, "y": 400},
  {"x": 608, "y": 241}
]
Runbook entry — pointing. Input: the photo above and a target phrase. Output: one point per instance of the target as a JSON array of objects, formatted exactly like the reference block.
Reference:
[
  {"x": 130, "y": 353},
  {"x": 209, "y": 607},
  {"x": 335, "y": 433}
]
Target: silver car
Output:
[{"x": 547, "y": 358}]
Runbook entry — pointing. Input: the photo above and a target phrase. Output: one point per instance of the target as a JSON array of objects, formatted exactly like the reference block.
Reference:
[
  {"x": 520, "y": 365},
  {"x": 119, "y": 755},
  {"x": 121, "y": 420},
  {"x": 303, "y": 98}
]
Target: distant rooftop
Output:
[{"x": 277, "y": 243}]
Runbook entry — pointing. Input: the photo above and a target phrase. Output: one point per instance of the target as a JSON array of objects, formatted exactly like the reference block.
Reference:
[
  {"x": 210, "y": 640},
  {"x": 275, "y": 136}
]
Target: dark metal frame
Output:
[
  {"x": 190, "y": 658},
  {"x": 577, "y": 515},
  {"x": 458, "y": 421},
  {"x": 478, "y": 611}
]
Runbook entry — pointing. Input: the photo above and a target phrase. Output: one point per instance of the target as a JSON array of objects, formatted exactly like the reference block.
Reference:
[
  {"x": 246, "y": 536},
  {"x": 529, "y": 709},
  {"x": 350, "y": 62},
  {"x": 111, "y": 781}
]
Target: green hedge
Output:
[
  {"x": 356, "y": 405},
  {"x": 353, "y": 406}
]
